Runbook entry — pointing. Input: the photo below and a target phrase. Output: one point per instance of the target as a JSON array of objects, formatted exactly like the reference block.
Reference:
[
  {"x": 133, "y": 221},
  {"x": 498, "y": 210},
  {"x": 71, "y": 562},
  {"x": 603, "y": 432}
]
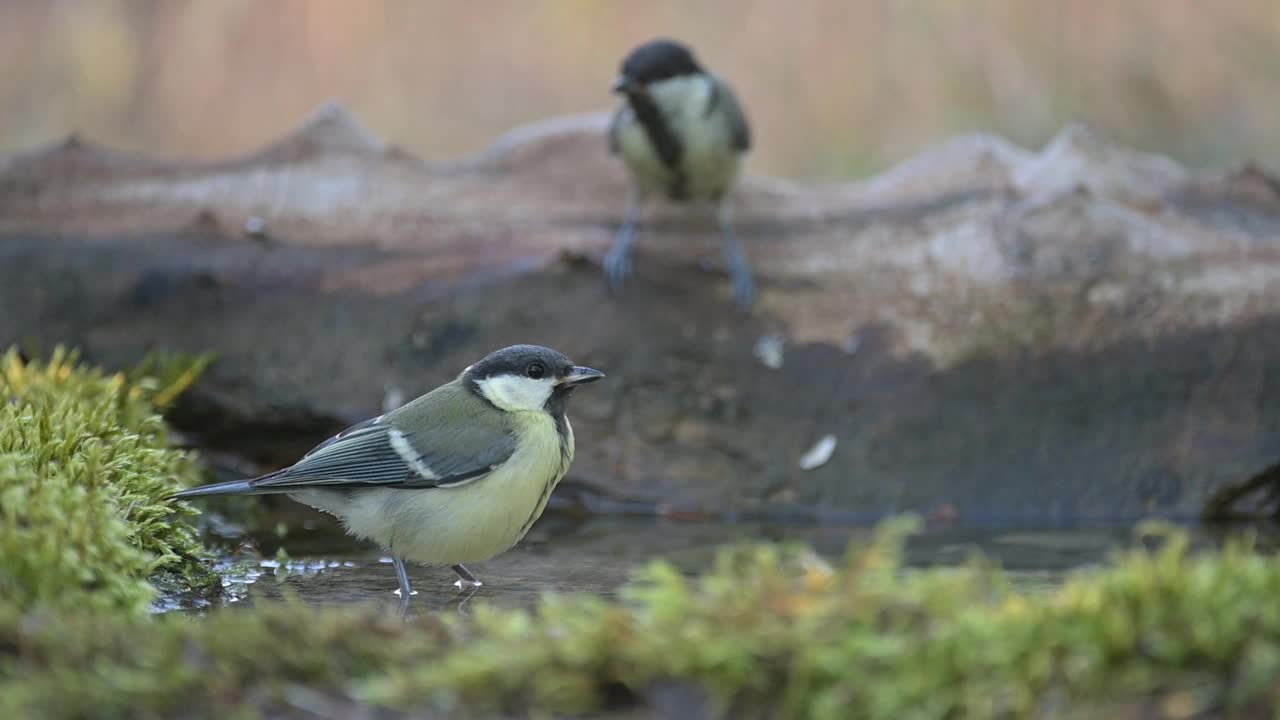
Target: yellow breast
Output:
[{"x": 473, "y": 522}]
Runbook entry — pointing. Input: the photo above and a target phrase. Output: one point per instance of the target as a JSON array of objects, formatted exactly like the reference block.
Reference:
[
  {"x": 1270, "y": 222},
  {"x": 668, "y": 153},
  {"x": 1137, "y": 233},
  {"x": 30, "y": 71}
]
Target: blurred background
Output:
[{"x": 835, "y": 88}]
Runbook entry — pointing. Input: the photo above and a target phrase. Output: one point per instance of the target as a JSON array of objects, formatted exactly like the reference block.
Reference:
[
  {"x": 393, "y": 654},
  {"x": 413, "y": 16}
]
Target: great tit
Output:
[
  {"x": 455, "y": 476},
  {"x": 681, "y": 133}
]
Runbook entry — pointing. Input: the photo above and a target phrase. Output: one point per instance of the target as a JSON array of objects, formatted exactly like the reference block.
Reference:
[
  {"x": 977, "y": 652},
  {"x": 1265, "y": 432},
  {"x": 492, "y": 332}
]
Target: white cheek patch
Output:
[
  {"x": 512, "y": 392},
  {"x": 682, "y": 96},
  {"x": 401, "y": 445}
]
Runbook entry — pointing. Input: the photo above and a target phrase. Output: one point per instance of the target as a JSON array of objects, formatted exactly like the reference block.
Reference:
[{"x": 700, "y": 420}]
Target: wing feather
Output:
[
  {"x": 615, "y": 126},
  {"x": 739, "y": 128},
  {"x": 374, "y": 454}
]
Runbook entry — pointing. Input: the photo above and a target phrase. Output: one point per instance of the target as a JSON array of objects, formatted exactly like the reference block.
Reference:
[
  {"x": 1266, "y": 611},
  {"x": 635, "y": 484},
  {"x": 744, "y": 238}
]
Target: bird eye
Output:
[{"x": 535, "y": 371}]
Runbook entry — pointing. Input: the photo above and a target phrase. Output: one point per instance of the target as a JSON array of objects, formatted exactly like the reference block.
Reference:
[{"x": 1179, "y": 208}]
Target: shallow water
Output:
[{"x": 597, "y": 555}]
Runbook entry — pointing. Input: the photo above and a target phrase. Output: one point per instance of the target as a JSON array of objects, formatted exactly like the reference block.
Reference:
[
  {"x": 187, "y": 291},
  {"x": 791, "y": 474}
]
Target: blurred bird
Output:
[
  {"x": 458, "y": 475},
  {"x": 681, "y": 133}
]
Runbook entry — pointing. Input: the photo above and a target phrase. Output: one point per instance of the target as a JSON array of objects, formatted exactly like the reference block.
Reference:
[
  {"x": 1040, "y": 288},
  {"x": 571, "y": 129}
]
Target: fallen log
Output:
[{"x": 983, "y": 331}]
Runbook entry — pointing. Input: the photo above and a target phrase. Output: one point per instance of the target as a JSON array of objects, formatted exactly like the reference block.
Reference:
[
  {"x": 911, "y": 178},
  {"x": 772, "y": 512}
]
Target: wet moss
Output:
[
  {"x": 85, "y": 467},
  {"x": 769, "y": 632}
]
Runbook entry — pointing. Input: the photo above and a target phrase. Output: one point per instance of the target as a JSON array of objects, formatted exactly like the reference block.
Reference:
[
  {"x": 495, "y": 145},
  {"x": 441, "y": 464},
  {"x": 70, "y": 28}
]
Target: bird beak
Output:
[
  {"x": 581, "y": 376},
  {"x": 621, "y": 84}
]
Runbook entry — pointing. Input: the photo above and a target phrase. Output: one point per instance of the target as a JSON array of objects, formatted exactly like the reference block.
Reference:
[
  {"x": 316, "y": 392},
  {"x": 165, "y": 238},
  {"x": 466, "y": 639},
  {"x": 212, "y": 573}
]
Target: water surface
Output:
[{"x": 597, "y": 555}]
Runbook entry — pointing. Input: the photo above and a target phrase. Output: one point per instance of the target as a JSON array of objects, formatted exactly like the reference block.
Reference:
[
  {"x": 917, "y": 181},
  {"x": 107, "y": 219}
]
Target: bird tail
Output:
[{"x": 231, "y": 487}]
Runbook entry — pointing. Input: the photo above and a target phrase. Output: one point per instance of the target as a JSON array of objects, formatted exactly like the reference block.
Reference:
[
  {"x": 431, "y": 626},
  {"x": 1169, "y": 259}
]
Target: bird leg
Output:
[
  {"x": 465, "y": 577},
  {"x": 740, "y": 276},
  {"x": 405, "y": 591},
  {"x": 617, "y": 262}
]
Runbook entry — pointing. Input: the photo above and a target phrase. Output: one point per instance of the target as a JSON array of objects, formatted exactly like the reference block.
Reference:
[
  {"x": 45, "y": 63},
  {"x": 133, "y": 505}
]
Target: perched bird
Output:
[
  {"x": 455, "y": 476},
  {"x": 681, "y": 133}
]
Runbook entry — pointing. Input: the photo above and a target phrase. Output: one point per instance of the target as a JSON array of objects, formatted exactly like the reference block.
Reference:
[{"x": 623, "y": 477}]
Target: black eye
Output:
[{"x": 535, "y": 371}]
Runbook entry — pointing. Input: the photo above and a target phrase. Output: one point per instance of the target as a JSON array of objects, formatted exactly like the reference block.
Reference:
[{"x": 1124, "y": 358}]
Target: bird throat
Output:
[{"x": 665, "y": 142}]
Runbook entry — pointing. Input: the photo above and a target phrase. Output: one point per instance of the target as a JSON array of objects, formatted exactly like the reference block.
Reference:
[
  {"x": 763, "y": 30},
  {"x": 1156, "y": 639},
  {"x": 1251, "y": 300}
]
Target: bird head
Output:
[
  {"x": 526, "y": 377},
  {"x": 654, "y": 62}
]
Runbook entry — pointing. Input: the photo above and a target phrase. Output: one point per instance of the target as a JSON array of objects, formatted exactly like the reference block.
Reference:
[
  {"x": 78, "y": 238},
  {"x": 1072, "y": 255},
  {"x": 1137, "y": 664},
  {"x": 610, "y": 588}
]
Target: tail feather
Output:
[{"x": 231, "y": 487}]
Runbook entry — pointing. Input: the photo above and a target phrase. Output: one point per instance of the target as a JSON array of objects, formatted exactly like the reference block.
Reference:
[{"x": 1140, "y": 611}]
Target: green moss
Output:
[
  {"x": 769, "y": 632},
  {"x": 85, "y": 467}
]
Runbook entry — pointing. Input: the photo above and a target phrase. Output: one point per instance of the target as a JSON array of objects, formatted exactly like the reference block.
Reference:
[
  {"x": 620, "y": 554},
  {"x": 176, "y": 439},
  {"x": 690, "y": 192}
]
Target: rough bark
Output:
[{"x": 1084, "y": 331}]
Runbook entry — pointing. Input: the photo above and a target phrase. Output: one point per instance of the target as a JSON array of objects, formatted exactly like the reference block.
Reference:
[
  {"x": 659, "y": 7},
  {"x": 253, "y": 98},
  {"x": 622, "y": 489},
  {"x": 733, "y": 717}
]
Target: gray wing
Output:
[
  {"x": 740, "y": 129},
  {"x": 375, "y": 454},
  {"x": 615, "y": 124}
]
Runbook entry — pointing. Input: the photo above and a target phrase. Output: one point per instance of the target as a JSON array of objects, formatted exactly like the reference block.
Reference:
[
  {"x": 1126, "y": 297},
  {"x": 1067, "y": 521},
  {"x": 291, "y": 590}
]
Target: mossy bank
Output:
[
  {"x": 85, "y": 467},
  {"x": 770, "y": 632}
]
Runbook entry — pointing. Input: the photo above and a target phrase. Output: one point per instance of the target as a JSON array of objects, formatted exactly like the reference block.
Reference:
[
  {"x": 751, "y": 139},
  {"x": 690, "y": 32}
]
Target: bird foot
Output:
[
  {"x": 464, "y": 584},
  {"x": 459, "y": 601}
]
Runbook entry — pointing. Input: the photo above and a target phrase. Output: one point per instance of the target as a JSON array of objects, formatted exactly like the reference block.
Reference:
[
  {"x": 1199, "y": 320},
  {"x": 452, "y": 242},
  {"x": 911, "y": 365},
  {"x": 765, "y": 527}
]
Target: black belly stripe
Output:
[
  {"x": 664, "y": 141},
  {"x": 562, "y": 430}
]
